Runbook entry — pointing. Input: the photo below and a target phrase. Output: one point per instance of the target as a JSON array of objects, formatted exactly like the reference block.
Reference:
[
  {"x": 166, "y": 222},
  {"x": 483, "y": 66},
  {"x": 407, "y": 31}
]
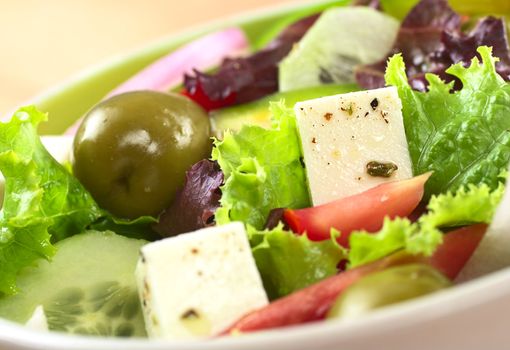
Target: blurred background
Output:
[{"x": 43, "y": 42}]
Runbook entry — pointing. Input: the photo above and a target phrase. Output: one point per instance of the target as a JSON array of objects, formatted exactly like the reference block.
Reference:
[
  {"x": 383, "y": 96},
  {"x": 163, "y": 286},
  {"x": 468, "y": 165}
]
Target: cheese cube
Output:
[
  {"x": 352, "y": 142},
  {"x": 197, "y": 284}
]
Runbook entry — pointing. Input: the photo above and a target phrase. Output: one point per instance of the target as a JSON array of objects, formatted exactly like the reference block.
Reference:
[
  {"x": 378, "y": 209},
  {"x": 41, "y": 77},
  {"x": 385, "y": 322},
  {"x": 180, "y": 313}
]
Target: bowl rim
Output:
[
  {"x": 478, "y": 292},
  {"x": 178, "y": 37},
  {"x": 431, "y": 308}
]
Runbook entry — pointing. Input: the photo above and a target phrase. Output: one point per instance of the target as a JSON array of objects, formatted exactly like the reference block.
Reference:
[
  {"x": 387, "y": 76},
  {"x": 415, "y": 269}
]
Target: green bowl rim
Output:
[{"x": 51, "y": 94}]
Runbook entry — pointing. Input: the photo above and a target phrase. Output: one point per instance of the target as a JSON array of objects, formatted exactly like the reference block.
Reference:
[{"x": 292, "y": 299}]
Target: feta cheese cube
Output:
[
  {"x": 197, "y": 284},
  {"x": 352, "y": 142}
]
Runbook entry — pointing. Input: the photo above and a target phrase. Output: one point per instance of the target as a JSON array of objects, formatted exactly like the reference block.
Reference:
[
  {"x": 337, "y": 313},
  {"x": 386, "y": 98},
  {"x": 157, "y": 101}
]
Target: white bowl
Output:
[
  {"x": 474, "y": 315},
  {"x": 471, "y": 316}
]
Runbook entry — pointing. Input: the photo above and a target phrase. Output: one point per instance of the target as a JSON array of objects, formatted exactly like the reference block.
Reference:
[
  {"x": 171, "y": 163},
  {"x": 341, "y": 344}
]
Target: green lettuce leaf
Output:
[
  {"x": 43, "y": 202},
  {"x": 288, "y": 262},
  {"x": 139, "y": 228},
  {"x": 463, "y": 137},
  {"x": 366, "y": 247},
  {"x": 263, "y": 170},
  {"x": 470, "y": 205}
]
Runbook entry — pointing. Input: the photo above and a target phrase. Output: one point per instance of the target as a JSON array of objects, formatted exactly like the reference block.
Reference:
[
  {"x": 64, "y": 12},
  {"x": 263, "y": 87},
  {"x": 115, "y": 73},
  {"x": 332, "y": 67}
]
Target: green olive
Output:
[
  {"x": 132, "y": 150},
  {"x": 387, "y": 287}
]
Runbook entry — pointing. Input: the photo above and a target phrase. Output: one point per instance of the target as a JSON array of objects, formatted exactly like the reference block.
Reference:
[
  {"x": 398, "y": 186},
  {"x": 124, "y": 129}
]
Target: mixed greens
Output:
[
  {"x": 462, "y": 137},
  {"x": 432, "y": 37},
  {"x": 263, "y": 171},
  {"x": 451, "y": 74},
  {"x": 43, "y": 202}
]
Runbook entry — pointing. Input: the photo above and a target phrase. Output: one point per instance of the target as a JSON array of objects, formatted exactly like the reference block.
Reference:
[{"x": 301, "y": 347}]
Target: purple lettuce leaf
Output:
[
  {"x": 431, "y": 40},
  {"x": 274, "y": 218},
  {"x": 432, "y": 15},
  {"x": 241, "y": 80},
  {"x": 195, "y": 205},
  {"x": 490, "y": 32}
]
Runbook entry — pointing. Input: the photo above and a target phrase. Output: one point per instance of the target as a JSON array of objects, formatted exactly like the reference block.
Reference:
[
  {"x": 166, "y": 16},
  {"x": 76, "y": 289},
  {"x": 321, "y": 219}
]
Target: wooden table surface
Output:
[{"x": 42, "y": 42}]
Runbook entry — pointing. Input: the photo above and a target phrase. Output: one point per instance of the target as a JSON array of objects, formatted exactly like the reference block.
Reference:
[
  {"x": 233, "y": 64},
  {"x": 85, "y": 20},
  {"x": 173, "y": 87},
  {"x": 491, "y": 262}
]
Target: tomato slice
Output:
[
  {"x": 363, "y": 211},
  {"x": 458, "y": 246},
  {"x": 313, "y": 303}
]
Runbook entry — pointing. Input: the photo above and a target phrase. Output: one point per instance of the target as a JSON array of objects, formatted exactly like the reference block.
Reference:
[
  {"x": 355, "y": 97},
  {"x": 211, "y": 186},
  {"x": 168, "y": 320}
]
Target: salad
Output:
[{"x": 356, "y": 160}]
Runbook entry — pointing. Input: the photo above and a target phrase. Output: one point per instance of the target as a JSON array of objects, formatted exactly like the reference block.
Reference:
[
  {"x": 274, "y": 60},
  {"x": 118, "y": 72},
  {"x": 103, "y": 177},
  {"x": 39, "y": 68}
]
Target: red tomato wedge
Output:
[
  {"x": 363, "y": 211},
  {"x": 458, "y": 246},
  {"x": 313, "y": 303}
]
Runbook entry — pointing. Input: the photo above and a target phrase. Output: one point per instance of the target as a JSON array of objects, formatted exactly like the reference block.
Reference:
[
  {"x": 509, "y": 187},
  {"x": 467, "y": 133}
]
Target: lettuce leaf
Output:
[
  {"x": 263, "y": 170},
  {"x": 139, "y": 228},
  {"x": 432, "y": 38},
  {"x": 463, "y": 137},
  {"x": 245, "y": 79},
  {"x": 366, "y": 247},
  {"x": 43, "y": 202},
  {"x": 288, "y": 262},
  {"x": 194, "y": 205},
  {"x": 470, "y": 205}
]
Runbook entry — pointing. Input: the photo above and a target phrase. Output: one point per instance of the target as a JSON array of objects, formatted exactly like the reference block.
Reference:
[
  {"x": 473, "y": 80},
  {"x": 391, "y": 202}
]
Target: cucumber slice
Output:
[
  {"x": 89, "y": 288},
  {"x": 340, "y": 40}
]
